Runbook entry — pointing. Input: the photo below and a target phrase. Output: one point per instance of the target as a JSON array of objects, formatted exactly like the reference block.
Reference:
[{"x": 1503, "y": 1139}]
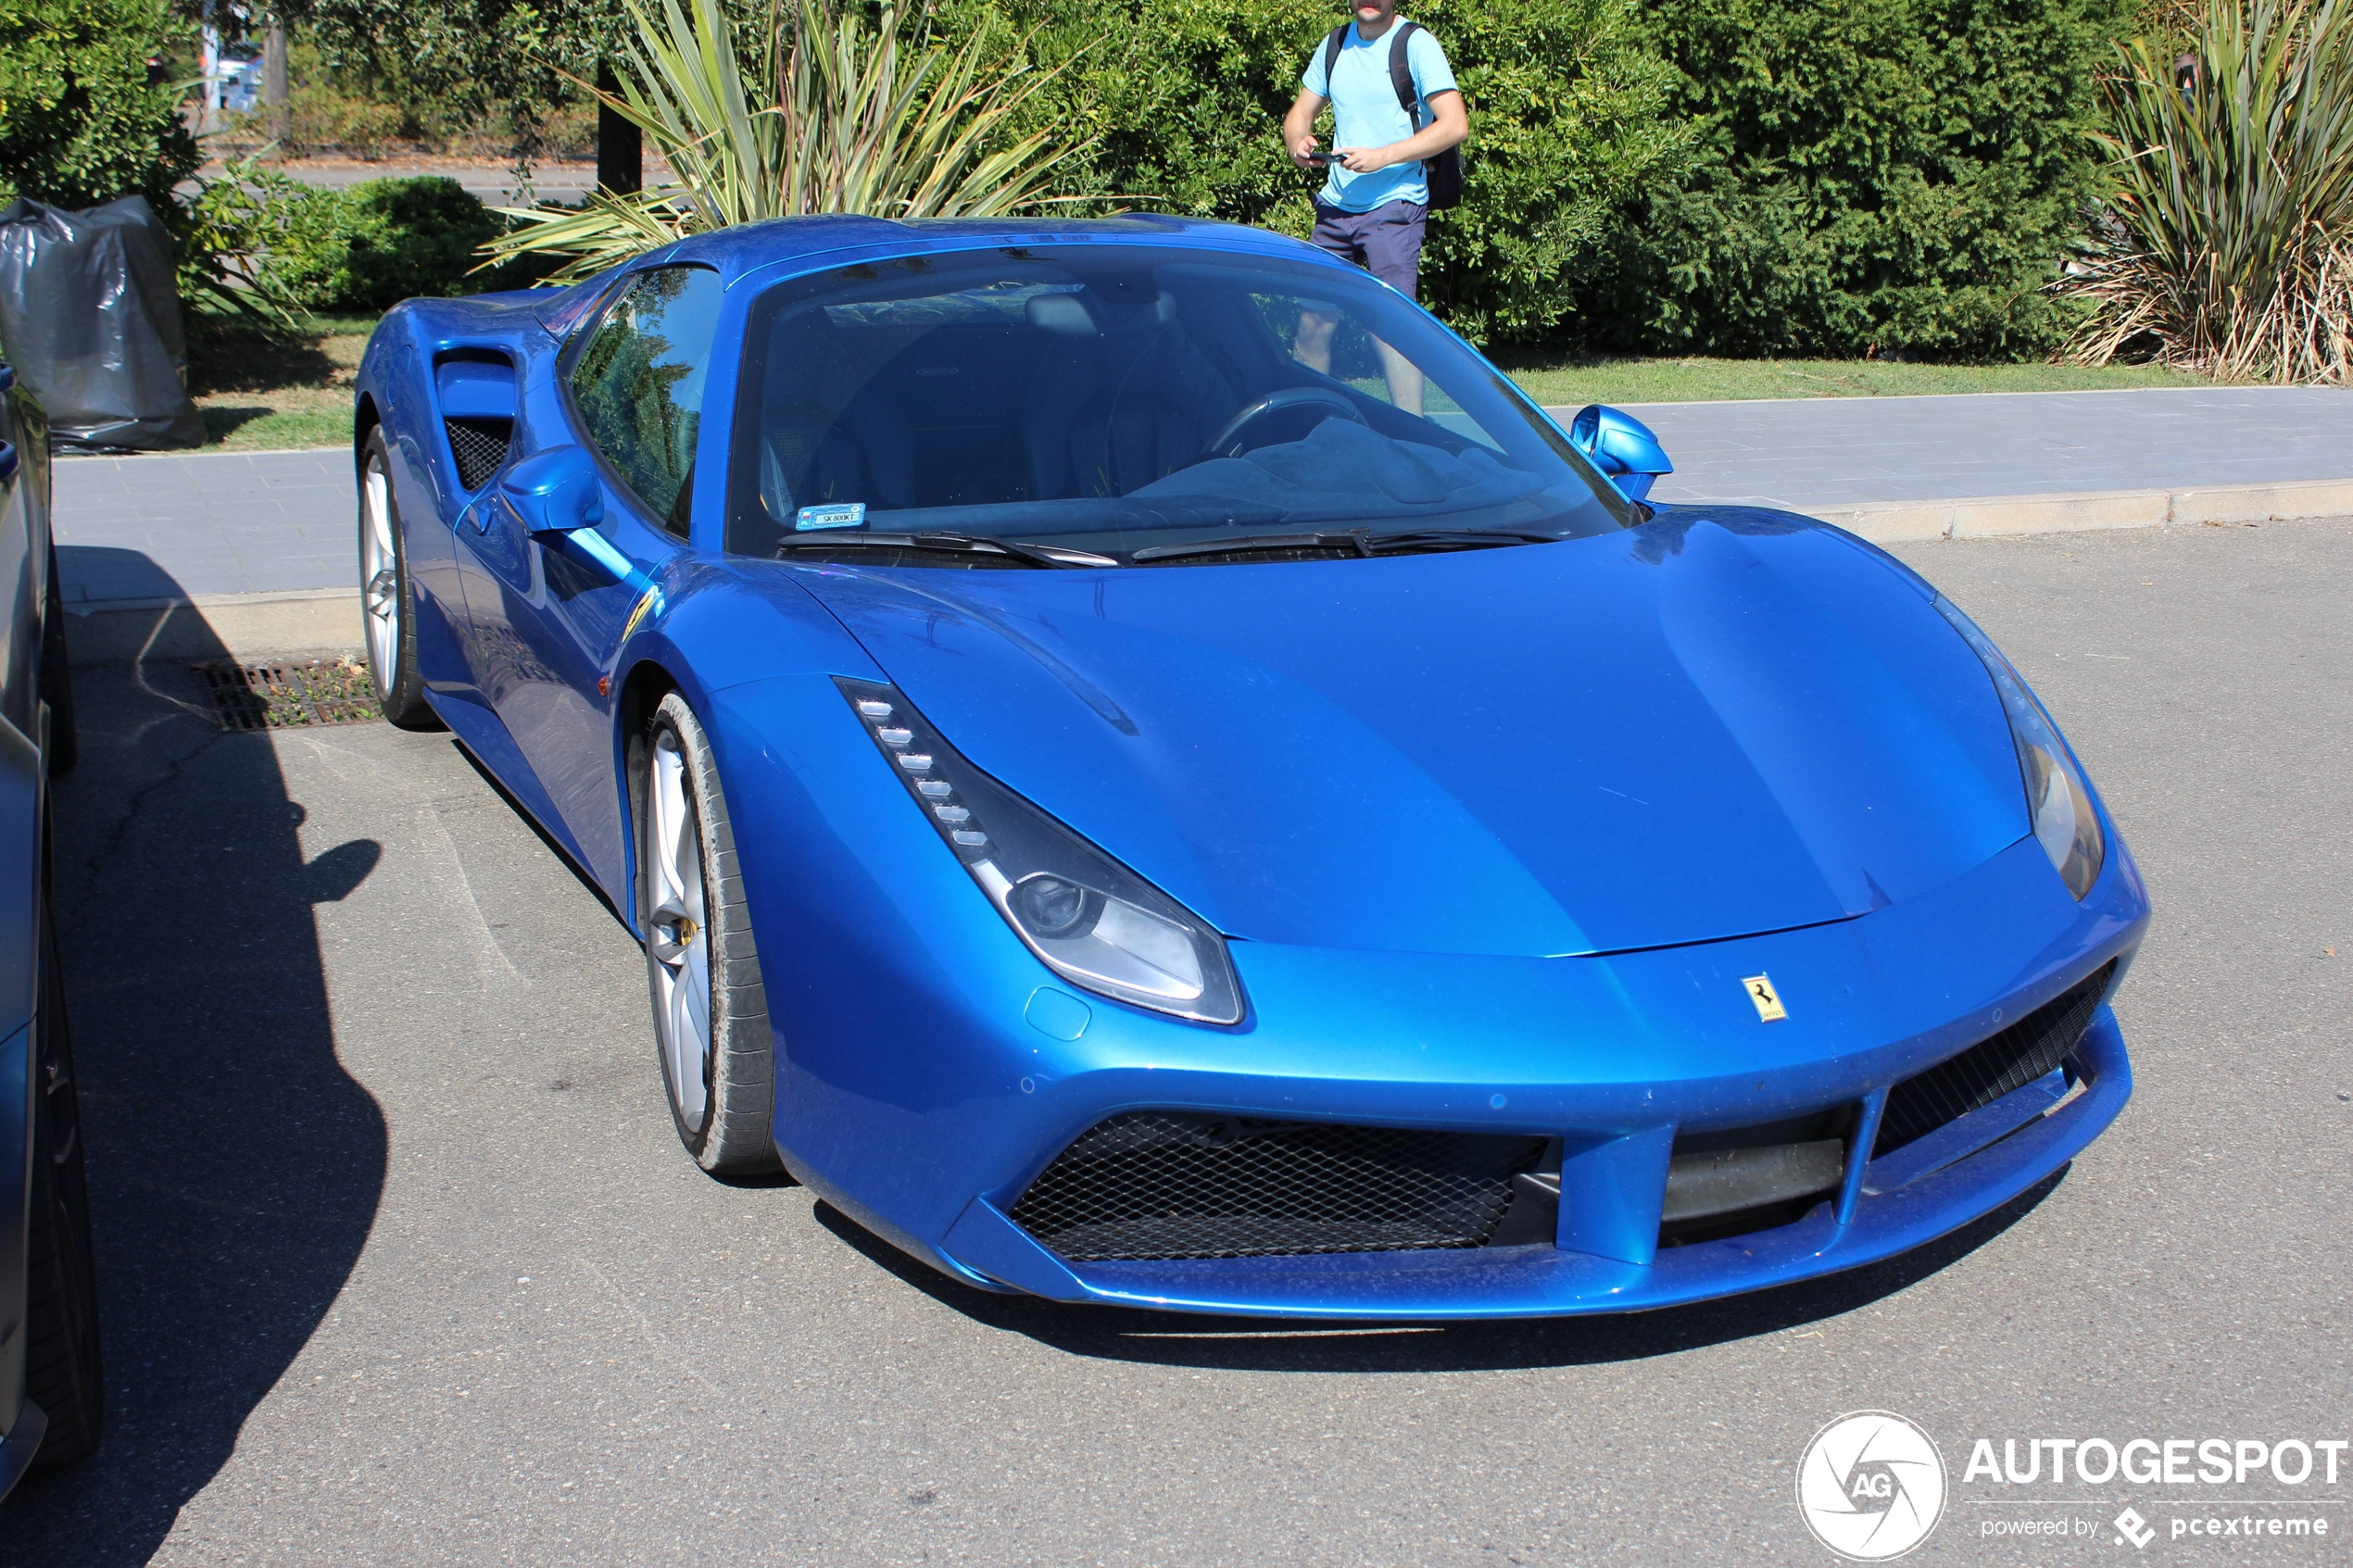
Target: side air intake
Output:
[
  {"x": 2029, "y": 1049},
  {"x": 476, "y": 388},
  {"x": 1168, "y": 1185}
]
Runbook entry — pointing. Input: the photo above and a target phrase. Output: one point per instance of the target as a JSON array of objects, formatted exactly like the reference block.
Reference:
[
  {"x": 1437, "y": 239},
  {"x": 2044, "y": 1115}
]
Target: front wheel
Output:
[
  {"x": 388, "y": 600},
  {"x": 710, "y": 1010}
]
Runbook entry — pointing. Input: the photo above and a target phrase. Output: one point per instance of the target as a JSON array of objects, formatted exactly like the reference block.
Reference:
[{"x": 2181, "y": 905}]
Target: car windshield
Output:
[{"x": 1114, "y": 399}]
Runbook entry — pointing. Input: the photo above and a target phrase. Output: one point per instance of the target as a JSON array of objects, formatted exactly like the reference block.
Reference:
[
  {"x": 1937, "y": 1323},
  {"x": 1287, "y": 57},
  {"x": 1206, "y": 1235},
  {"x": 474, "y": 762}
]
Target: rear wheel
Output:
[
  {"x": 388, "y": 599},
  {"x": 63, "y": 1372},
  {"x": 711, "y": 1011}
]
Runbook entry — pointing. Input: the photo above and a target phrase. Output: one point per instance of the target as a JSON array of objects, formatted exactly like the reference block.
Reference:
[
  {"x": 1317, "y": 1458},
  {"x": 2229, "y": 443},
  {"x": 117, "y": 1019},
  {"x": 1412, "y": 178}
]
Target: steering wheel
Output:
[{"x": 1227, "y": 441}]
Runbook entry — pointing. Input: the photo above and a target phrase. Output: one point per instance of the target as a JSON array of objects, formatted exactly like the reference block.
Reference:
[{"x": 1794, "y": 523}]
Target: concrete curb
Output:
[
  {"x": 254, "y": 627},
  {"x": 248, "y": 628},
  {"x": 1982, "y": 517}
]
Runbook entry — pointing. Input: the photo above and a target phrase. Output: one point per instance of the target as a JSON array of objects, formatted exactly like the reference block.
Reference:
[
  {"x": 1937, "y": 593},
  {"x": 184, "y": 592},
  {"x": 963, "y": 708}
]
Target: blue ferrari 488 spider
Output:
[{"x": 1148, "y": 773}]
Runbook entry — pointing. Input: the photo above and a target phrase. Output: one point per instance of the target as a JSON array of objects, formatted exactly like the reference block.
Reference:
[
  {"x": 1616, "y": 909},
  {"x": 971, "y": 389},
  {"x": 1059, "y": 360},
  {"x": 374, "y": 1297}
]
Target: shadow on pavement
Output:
[
  {"x": 234, "y": 1168},
  {"x": 1275, "y": 1345},
  {"x": 110, "y": 571}
]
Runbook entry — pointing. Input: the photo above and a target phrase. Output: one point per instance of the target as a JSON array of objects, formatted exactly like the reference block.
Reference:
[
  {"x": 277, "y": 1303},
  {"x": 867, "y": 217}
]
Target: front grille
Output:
[
  {"x": 1742, "y": 1179},
  {"x": 2025, "y": 1051},
  {"x": 1167, "y": 1185},
  {"x": 478, "y": 447}
]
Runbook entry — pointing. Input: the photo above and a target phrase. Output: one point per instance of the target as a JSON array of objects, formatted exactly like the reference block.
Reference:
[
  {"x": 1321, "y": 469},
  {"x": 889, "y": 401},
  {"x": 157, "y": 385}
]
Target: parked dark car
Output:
[{"x": 50, "y": 1381}]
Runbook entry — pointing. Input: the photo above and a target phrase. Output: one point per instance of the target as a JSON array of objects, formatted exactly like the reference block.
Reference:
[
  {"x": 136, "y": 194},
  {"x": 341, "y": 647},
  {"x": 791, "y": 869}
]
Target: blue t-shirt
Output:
[{"x": 1366, "y": 112}]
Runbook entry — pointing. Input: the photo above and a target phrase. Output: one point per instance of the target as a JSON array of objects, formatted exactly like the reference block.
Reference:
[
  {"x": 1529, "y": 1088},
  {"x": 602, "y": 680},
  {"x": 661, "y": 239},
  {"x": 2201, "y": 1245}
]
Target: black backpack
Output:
[{"x": 1445, "y": 173}]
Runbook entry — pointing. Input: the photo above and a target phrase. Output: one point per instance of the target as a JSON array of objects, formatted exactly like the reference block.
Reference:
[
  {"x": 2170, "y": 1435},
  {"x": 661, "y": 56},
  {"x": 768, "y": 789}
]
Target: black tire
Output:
[
  {"x": 64, "y": 1373},
  {"x": 733, "y": 1135},
  {"x": 56, "y": 678},
  {"x": 400, "y": 691}
]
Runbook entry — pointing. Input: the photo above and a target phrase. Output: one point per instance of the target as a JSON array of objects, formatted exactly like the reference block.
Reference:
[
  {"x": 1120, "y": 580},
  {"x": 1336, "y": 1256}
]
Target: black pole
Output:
[{"x": 620, "y": 145}]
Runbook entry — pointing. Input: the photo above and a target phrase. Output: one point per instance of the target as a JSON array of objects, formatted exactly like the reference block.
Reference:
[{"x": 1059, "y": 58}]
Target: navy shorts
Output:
[{"x": 1385, "y": 242}]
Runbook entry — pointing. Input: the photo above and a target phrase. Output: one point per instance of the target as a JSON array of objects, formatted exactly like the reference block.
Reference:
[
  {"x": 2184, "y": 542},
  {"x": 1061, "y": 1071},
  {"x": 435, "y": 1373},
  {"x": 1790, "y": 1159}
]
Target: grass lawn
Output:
[
  {"x": 259, "y": 394},
  {"x": 1557, "y": 380}
]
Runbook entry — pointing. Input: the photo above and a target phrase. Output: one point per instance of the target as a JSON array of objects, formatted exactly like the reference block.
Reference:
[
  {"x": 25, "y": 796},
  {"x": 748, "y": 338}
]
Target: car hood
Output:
[{"x": 1712, "y": 725}]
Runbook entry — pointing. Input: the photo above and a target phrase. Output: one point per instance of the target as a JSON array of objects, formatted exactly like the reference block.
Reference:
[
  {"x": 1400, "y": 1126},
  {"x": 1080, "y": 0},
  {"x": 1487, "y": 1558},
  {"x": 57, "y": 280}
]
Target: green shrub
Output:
[
  {"x": 79, "y": 122},
  {"x": 1897, "y": 173},
  {"x": 374, "y": 245},
  {"x": 1568, "y": 121},
  {"x": 2226, "y": 243}
]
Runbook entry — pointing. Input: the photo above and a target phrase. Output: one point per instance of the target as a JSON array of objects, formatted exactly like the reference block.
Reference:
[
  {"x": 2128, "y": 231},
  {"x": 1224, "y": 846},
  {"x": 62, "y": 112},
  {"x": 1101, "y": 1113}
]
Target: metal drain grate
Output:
[{"x": 273, "y": 696}]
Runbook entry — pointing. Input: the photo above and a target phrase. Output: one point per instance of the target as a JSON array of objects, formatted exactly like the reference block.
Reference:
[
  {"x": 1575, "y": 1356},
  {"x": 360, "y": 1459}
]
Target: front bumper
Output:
[{"x": 1885, "y": 1210}]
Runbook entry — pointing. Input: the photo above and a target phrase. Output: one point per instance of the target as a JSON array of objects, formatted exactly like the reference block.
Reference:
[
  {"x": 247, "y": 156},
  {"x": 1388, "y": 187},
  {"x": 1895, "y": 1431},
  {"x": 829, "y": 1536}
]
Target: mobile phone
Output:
[{"x": 1319, "y": 158}]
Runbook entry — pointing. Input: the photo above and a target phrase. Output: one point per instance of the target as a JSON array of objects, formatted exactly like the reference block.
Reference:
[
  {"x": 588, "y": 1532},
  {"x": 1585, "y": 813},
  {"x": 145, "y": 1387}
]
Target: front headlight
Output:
[
  {"x": 2056, "y": 798},
  {"x": 1087, "y": 917}
]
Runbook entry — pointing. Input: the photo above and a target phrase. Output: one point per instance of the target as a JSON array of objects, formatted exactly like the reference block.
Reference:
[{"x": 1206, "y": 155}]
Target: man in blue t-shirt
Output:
[{"x": 1375, "y": 202}]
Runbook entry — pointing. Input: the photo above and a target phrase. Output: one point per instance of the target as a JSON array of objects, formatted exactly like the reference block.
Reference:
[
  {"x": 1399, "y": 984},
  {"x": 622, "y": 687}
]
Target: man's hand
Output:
[
  {"x": 1365, "y": 160},
  {"x": 1299, "y": 127}
]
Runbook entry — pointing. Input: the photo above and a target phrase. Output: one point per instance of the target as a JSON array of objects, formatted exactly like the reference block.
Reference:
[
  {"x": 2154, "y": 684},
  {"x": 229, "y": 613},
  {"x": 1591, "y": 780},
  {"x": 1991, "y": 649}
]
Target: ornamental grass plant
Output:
[
  {"x": 2226, "y": 244},
  {"x": 839, "y": 114}
]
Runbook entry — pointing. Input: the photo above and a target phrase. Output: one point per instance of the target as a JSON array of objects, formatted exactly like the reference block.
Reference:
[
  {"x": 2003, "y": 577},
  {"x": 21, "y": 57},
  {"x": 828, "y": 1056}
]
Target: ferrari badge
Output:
[{"x": 1768, "y": 1002}]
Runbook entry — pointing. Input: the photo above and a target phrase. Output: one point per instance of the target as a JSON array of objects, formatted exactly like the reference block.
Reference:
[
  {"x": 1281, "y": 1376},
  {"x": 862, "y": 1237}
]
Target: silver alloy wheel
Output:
[
  {"x": 677, "y": 934},
  {"x": 380, "y": 575}
]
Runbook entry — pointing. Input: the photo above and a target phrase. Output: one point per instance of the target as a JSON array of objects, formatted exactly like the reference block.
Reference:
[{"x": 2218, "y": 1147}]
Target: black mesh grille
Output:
[
  {"x": 478, "y": 445},
  {"x": 1983, "y": 1073},
  {"x": 1169, "y": 1185}
]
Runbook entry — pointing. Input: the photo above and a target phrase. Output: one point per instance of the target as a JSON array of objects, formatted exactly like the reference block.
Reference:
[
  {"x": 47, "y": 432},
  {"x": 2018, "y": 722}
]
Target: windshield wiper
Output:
[
  {"x": 946, "y": 539},
  {"x": 1352, "y": 541},
  {"x": 1457, "y": 538}
]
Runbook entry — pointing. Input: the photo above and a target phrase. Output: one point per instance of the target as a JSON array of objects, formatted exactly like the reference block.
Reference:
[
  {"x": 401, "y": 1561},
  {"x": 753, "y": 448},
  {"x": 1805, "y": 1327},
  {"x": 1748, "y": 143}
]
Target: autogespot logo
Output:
[{"x": 1871, "y": 1485}]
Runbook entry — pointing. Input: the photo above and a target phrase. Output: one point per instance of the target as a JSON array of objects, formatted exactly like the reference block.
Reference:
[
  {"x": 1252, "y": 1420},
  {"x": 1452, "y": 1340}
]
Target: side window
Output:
[{"x": 639, "y": 383}]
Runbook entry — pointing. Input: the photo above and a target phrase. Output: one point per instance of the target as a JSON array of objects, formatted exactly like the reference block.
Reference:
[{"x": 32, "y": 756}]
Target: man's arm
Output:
[
  {"x": 1299, "y": 127},
  {"x": 1449, "y": 126}
]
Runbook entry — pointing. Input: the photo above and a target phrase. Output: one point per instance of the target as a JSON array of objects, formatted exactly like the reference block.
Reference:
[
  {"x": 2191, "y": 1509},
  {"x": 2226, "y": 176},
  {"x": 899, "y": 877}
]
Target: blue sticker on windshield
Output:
[{"x": 844, "y": 514}]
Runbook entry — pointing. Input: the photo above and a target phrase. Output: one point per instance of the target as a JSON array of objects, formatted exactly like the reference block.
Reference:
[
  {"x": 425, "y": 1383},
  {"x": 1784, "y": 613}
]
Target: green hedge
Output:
[
  {"x": 1898, "y": 174},
  {"x": 374, "y": 245},
  {"x": 79, "y": 122},
  {"x": 1718, "y": 176},
  {"x": 1568, "y": 113}
]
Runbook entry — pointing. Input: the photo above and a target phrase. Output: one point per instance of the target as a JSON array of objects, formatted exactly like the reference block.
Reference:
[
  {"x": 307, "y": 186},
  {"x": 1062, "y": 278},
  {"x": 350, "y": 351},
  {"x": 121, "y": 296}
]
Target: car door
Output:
[{"x": 548, "y": 620}]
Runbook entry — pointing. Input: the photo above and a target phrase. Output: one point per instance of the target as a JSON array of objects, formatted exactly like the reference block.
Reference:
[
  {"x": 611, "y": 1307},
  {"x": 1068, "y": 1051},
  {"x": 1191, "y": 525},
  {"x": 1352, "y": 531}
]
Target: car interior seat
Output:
[{"x": 1121, "y": 398}]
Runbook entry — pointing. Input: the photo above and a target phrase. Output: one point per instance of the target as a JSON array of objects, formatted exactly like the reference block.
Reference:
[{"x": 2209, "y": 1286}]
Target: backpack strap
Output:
[
  {"x": 1331, "y": 53},
  {"x": 1401, "y": 75}
]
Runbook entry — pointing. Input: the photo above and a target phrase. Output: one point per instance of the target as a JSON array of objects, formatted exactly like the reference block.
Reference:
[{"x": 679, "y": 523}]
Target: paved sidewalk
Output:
[
  {"x": 201, "y": 524},
  {"x": 495, "y": 184},
  {"x": 1816, "y": 454},
  {"x": 175, "y": 525}
]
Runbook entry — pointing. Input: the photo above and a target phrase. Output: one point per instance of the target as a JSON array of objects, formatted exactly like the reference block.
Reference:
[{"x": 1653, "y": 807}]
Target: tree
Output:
[
  {"x": 81, "y": 120},
  {"x": 507, "y": 59}
]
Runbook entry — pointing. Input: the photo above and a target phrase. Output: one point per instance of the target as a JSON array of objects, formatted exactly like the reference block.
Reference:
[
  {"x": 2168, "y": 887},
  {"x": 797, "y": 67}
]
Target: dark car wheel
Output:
[
  {"x": 62, "y": 1374},
  {"x": 388, "y": 599},
  {"x": 711, "y": 1011}
]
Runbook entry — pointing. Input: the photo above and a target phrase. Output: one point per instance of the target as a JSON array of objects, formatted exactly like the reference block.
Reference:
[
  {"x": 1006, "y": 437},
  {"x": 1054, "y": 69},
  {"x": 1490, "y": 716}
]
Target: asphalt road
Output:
[{"x": 401, "y": 1263}]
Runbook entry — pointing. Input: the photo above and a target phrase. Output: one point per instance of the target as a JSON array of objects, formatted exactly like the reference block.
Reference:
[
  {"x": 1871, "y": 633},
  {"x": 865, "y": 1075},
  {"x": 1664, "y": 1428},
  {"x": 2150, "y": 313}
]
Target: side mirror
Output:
[
  {"x": 554, "y": 491},
  {"x": 561, "y": 500},
  {"x": 1621, "y": 446}
]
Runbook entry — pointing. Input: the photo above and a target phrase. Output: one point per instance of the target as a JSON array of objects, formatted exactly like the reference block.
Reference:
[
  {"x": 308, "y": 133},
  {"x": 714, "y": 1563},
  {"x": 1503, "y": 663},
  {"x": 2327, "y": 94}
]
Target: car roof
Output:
[{"x": 746, "y": 249}]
